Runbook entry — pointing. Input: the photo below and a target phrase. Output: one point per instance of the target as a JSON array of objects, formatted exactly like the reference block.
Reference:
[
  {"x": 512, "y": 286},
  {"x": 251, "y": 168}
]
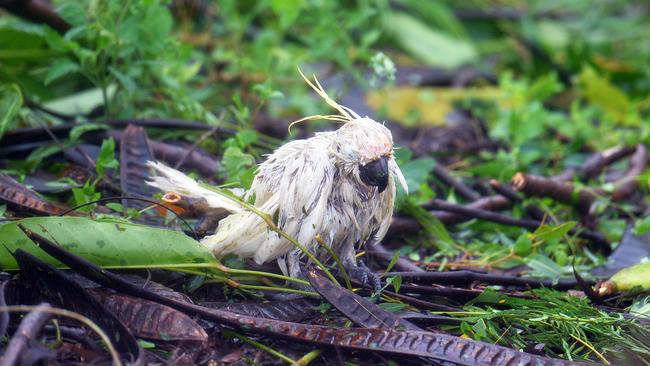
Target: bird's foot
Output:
[{"x": 365, "y": 275}]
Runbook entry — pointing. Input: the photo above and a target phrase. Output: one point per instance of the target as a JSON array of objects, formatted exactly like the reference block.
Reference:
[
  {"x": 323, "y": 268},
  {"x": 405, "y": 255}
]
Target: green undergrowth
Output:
[{"x": 567, "y": 326}]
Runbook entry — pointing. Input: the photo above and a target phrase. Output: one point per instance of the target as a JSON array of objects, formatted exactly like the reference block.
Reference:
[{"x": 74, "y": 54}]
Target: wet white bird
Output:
[{"x": 338, "y": 185}]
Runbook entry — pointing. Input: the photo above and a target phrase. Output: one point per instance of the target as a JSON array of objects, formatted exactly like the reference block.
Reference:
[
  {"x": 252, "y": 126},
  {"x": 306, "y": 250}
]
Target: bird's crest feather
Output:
[{"x": 346, "y": 115}]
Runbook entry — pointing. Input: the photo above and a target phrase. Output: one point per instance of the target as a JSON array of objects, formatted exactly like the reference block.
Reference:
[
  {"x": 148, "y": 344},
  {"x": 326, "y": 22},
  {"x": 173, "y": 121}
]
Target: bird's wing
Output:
[
  {"x": 172, "y": 180},
  {"x": 293, "y": 186}
]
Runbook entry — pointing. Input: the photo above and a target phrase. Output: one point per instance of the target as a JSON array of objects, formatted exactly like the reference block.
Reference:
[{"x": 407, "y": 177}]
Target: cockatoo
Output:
[{"x": 338, "y": 185}]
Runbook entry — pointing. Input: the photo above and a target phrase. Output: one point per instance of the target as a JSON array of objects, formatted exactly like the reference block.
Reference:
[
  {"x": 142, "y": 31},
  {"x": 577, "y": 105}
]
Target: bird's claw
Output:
[{"x": 365, "y": 275}]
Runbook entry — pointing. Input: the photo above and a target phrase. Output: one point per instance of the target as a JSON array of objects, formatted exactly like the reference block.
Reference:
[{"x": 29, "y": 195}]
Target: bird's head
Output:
[{"x": 362, "y": 147}]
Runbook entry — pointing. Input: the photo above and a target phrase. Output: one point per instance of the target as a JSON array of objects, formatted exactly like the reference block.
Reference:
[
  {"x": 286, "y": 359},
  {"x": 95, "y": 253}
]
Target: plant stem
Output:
[
  {"x": 336, "y": 258},
  {"x": 309, "y": 357},
  {"x": 278, "y": 289},
  {"x": 107, "y": 109},
  {"x": 221, "y": 268},
  {"x": 263, "y": 274},
  {"x": 591, "y": 347},
  {"x": 261, "y": 346}
]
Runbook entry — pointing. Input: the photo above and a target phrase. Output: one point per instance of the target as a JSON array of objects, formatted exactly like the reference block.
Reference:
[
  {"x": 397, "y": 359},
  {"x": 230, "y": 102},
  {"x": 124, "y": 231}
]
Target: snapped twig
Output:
[
  {"x": 492, "y": 203},
  {"x": 28, "y": 330},
  {"x": 599, "y": 161},
  {"x": 401, "y": 225},
  {"x": 565, "y": 192},
  {"x": 627, "y": 185},
  {"x": 466, "y": 277},
  {"x": 595, "y": 237},
  {"x": 68, "y": 314},
  {"x": 514, "y": 197}
]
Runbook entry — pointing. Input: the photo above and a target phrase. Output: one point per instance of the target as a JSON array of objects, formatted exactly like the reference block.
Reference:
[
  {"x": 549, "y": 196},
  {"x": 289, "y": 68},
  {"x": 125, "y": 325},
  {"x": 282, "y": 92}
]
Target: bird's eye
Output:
[{"x": 375, "y": 173}]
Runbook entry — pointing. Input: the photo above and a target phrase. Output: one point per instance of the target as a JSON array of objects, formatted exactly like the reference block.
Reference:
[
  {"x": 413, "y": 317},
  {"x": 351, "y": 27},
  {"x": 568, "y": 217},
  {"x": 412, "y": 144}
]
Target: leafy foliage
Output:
[
  {"x": 556, "y": 81},
  {"x": 568, "y": 326},
  {"x": 10, "y": 103}
]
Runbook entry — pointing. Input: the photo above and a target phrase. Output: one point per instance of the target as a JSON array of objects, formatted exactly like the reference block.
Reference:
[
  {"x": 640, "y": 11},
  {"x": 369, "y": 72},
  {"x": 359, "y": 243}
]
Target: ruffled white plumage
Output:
[
  {"x": 171, "y": 180},
  {"x": 312, "y": 188},
  {"x": 292, "y": 185}
]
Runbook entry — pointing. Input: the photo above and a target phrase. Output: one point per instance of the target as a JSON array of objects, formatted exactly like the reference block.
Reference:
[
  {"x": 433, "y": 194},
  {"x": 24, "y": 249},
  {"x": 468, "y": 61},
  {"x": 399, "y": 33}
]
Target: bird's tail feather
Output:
[{"x": 171, "y": 180}]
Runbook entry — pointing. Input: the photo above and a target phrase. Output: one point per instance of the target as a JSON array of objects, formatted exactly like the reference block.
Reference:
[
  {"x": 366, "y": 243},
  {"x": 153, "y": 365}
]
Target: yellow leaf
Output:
[
  {"x": 412, "y": 106},
  {"x": 598, "y": 90}
]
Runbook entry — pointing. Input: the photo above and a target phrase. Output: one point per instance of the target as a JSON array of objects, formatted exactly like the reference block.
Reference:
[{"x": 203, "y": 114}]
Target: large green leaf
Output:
[
  {"x": 628, "y": 278},
  {"x": 428, "y": 45},
  {"x": 108, "y": 243}
]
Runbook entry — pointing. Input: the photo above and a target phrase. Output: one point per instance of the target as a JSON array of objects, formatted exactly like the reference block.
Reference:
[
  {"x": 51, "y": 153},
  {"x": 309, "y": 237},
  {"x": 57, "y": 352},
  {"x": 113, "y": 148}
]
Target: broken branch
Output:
[{"x": 535, "y": 186}]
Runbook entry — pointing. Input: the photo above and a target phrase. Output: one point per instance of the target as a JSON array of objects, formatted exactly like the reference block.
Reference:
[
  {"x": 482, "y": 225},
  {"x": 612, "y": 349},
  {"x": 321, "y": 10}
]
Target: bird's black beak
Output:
[{"x": 375, "y": 173}]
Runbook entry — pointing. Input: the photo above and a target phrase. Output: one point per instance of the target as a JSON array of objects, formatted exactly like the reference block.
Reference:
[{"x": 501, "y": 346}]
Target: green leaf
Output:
[
  {"x": 37, "y": 156},
  {"x": 437, "y": 13},
  {"x": 239, "y": 166},
  {"x": 480, "y": 329},
  {"x": 613, "y": 228},
  {"x": 551, "y": 232},
  {"x": 77, "y": 131},
  {"x": 146, "y": 344},
  {"x": 155, "y": 27},
  {"x": 393, "y": 261},
  {"x": 127, "y": 82},
  {"x": 246, "y": 137},
  {"x": 544, "y": 267},
  {"x": 106, "y": 158},
  {"x": 494, "y": 169},
  {"x": 288, "y": 10},
  {"x": 85, "y": 194},
  {"x": 74, "y": 12},
  {"x": 393, "y": 307},
  {"x": 523, "y": 245},
  {"x": 430, "y": 46},
  {"x": 641, "y": 307},
  {"x": 444, "y": 242},
  {"x": 467, "y": 330},
  {"x": 642, "y": 226},
  {"x": 599, "y": 91},
  {"x": 60, "y": 68},
  {"x": 117, "y": 207},
  {"x": 488, "y": 296},
  {"x": 246, "y": 177},
  {"x": 234, "y": 160},
  {"x": 109, "y": 243},
  {"x": 11, "y": 99},
  {"x": 396, "y": 282},
  {"x": 417, "y": 171}
]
